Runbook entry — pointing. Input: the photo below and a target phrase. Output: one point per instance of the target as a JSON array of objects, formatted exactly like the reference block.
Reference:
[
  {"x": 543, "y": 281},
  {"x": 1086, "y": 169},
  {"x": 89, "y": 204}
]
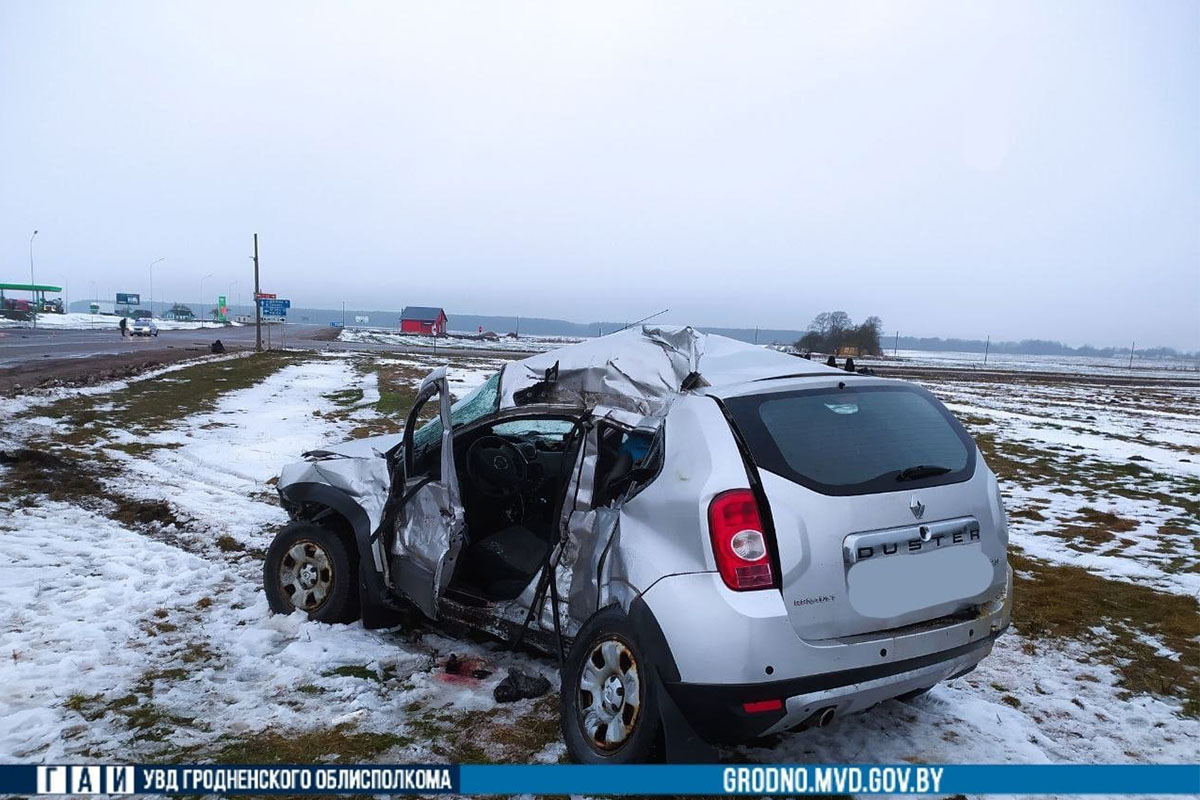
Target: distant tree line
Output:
[
  {"x": 1027, "y": 347},
  {"x": 830, "y": 331}
]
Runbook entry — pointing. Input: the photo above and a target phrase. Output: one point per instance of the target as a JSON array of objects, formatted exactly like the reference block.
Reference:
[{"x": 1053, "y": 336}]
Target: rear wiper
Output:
[{"x": 921, "y": 471}]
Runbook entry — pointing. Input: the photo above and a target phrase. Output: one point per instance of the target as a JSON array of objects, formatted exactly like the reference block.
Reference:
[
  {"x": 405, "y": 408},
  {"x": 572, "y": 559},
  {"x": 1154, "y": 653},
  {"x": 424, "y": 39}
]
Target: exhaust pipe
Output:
[{"x": 820, "y": 718}]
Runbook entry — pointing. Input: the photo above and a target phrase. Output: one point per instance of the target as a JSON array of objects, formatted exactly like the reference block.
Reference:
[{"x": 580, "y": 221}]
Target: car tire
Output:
[
  {"x": 609, "y": 700},
  {"x": 308, "y": 567}
]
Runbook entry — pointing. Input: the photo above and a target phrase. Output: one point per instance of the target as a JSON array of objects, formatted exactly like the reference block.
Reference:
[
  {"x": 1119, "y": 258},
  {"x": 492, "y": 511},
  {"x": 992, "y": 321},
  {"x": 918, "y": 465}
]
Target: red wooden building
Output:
[{"x": 423, "y": 319}]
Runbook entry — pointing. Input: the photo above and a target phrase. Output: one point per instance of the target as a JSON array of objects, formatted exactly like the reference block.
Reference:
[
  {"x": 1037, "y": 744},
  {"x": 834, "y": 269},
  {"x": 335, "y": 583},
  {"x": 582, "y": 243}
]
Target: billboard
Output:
[{"x": 129, "y": 299}]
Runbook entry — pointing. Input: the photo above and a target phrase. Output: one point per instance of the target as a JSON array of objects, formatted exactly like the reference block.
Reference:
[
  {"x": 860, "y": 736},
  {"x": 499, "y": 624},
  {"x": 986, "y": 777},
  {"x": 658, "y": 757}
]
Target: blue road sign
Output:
[{"x": 275, "y": 308}]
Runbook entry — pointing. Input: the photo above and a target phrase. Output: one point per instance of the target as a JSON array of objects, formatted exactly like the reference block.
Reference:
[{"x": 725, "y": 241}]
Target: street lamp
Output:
[
  {"x": 152, "y": 263},
  {"x": 31, "y": 280},
  {"x": 202, "y": 280}
]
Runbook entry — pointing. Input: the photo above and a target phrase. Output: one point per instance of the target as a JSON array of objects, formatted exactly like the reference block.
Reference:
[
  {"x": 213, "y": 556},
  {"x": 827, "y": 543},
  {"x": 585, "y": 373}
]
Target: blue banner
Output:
[{"x": 472, "y": 779}]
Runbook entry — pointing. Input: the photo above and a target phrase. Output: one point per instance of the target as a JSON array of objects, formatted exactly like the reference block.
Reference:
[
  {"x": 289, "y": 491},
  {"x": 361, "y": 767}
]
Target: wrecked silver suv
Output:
[{"x": 717, "y": 540}]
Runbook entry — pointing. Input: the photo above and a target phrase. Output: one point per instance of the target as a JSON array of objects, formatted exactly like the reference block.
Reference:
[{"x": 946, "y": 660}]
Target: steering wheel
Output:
[{"x": 496, "y": 467}]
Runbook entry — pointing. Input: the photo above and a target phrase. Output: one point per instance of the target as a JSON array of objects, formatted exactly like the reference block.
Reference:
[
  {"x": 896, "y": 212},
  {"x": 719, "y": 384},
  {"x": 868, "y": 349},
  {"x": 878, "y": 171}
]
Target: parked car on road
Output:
[
  {"x": 722, "y": 541},
  {"x": 144, "y": 326}
]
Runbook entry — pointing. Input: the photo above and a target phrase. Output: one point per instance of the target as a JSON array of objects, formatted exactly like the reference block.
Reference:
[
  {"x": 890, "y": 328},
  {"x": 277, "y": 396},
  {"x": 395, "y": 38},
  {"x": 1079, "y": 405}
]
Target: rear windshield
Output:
[{"x": 855, "y": 440}]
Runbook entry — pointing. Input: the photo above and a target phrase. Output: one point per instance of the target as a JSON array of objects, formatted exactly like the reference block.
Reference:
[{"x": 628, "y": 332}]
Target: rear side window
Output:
[{"x": 855, "y": 440}]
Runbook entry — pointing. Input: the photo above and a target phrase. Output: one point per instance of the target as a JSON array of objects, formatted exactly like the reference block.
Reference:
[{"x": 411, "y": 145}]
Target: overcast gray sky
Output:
[{"x": 959, "y": 169}]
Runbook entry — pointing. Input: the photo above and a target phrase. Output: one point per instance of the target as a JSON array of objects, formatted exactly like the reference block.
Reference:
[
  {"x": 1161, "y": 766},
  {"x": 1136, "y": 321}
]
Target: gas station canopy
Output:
[{"x": 30, "y": 287}]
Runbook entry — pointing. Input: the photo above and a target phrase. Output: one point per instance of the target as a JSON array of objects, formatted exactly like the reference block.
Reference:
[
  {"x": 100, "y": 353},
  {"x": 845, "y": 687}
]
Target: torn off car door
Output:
[{"x": 430, "y": 523}]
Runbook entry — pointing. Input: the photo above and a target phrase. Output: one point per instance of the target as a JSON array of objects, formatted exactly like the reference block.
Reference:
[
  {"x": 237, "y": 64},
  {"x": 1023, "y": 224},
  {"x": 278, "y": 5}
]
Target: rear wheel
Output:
[
  {"x": 609, "y": 702},
  {"x": 308, "y": 567}
]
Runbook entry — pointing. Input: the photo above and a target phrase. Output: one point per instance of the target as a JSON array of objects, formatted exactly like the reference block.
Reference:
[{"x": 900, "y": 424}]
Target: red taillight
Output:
[
  {"x": 739, "y": 541},
  {"x": 760, "y": 706}
]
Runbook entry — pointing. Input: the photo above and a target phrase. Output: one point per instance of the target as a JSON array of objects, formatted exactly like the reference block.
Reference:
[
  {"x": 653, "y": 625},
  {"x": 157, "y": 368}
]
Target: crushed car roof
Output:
[{"x": 643, "y": 369}]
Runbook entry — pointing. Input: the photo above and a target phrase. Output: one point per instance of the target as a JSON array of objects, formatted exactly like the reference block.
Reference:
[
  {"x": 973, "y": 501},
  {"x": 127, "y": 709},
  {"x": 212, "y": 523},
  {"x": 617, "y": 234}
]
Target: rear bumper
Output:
[
  {"x": 718, "y": 650},
  {"x": 717, "y": 712}
]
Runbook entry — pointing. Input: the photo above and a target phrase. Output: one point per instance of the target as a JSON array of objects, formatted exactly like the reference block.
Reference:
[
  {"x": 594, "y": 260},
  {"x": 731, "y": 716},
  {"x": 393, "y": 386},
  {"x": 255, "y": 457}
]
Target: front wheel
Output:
[
  {"x": 309, "y": 568},
  {"x": 609, "y": 701}
]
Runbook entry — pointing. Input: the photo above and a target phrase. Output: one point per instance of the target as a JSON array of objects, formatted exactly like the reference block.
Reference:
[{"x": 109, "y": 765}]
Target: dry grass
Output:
[
  {"x": 65, "y": 475},
  {"x": 1014, "y": 461},
  {"x": 155, "y": 404},
  {"x": 341, "y": 744},
  {"x": 1068, "y": 602},
  {"x": 505, "y": 734},
  {"x": 1094, "y": 528}
]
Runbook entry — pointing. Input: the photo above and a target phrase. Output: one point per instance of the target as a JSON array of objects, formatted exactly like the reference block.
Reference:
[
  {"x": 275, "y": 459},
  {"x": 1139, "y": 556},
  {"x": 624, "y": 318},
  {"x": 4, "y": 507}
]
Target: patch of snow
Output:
[
  {"x": 1054, "y": 706},
  {"x": 78, "y": 320},
  {"x": 453, "y": 341}
]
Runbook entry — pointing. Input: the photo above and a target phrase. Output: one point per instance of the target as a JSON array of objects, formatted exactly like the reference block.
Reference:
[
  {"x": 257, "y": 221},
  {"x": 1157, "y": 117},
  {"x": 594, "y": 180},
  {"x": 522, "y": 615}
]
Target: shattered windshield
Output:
[{"x": 479, "y": 403}]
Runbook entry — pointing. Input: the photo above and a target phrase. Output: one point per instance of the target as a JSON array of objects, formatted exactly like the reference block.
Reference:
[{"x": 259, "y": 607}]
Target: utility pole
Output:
[
  {"x": 986, "y": 346},
  {"x": 343, "y": 315},
  {"x": 257, "y": 305},
  {"x": 1131, "y": 354},
  {"x": 32, "y": 282},
  {"x": 756, "y": 334}
]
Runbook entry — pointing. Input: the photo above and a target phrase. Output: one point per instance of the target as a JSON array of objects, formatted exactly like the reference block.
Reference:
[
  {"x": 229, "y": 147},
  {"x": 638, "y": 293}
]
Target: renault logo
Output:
[{"x": 917, "y": 507}]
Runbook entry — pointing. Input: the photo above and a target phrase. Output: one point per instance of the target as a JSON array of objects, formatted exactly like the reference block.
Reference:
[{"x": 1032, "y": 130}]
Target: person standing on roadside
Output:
[{"x": 122, "y": 325}]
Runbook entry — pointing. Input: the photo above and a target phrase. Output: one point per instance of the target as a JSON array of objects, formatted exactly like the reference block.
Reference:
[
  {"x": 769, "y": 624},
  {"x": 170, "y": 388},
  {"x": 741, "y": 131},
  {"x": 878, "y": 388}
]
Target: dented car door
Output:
[{"x": 430, "y": 523}]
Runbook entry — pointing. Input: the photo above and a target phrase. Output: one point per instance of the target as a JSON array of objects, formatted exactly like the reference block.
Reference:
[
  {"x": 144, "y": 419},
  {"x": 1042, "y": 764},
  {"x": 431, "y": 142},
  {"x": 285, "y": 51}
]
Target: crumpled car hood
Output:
[
  {"x": 356, "y": 468},
  {"x": 373, "y": 447}
]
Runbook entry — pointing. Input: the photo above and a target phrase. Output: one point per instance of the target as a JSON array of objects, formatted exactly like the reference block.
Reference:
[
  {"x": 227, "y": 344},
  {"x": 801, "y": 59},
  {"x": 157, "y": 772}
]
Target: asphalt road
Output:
[
  {"x": 19, "y": 345},
  {"x": 24, "y": 346}
]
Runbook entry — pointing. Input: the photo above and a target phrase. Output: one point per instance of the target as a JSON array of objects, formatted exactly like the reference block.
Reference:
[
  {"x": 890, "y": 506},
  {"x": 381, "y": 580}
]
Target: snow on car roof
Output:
[{"x": 642, "y": 369}]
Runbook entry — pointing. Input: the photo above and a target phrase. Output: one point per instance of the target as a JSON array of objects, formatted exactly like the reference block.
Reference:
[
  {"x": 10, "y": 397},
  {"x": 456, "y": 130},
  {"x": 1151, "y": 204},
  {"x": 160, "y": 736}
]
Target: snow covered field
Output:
[
  {"x": 1068, "y": 365},
  {"x": 78, "y": 321},
  {"x": 133, "y": 625},
  {"x": 455, "y": 341}
]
